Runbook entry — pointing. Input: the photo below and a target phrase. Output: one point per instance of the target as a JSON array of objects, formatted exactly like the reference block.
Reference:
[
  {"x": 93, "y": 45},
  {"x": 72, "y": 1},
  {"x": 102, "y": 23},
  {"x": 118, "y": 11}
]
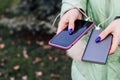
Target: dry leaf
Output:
[
  {"x": 25, "y": 77},
  {"x": 1, "y": 39},
  {"x": 37, "y": 59},
  {"x": 38, "y": 74},
  {"x": 28, "y": 42},
  {"x": 50, "y": 57},
  {"x": 55, "y": 75},
  {"x": 12, "y": 78},
  {"x": 56, "y": 59},
  {"x": 2, "y": 64},
  {"x": 46, "y": 47},
  {"x": 24, "y": 51},
  {"x": 41, "y": 43},
  {"x": 2, "y": 46},
  {"x": 17, "y": 67},
  {"x": 25, "y": 55},
  {"x": 18, "y": 55}
]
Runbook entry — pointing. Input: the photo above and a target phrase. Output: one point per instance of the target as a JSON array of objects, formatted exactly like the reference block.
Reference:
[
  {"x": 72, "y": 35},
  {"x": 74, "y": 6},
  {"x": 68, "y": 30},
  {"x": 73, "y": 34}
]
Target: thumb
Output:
[{"x": 103, "y": 34}]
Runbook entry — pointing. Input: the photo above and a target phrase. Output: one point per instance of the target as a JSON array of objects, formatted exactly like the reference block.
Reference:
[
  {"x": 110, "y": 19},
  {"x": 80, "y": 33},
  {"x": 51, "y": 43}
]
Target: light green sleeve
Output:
[{"x": 68, "y": 4}]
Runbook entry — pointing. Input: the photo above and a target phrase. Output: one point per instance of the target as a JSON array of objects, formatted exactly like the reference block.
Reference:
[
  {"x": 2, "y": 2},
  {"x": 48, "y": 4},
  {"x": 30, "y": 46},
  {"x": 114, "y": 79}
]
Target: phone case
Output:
[
  {"x": 97, "y": 52},
  {"x": 65, "y": 41}
]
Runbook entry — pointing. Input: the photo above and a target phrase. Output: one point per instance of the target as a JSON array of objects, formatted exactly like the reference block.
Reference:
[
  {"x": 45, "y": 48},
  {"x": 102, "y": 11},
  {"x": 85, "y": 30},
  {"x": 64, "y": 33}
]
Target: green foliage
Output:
[
  {"x": 35, "y": 15},
  {"x": 15, "y": 2},
  {"x": 6, "y": 7},
  {"x": 5, "y": 4}
]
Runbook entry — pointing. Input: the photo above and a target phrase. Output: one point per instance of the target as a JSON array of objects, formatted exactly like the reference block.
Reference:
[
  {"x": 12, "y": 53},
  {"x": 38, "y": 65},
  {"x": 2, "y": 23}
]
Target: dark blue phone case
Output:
[{"x": 97, "y": 52}]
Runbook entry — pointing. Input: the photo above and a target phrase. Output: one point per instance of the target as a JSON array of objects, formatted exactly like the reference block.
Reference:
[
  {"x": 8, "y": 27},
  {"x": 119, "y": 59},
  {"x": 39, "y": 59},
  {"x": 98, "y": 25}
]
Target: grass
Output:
[{"x": 25, "y": 56}]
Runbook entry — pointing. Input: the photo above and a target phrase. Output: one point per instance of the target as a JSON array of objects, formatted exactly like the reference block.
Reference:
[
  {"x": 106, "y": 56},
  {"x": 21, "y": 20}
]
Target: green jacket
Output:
[{"x": 99, "y": 11}]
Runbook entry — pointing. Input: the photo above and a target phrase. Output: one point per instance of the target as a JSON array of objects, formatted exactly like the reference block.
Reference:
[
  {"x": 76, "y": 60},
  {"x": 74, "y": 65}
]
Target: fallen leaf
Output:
[
  {"x": 25, "y": 77},
  {"x": 2, "y": 46},
  {"x": 55, "y": 75},
  {"x": 28, "y": 42},
  {"x": 41, "y": 43},
  {"x": 24, "y": 50},
  {"x": 12, "y": 78},
  {"x": 56, "y": 59},
  {"x": 2, "y": 64},
  {"x": 1, "y": 39},
  {"x": 25, "y": 55},
  {"x": 46, "y": 46},
  {"x": 50, "y": 57},
  {"x": 18, "y": 55},
  {"x": 17, "y": 67},
  {"x": 38, "y": 74},
  {"x": 37, "y": 59}
]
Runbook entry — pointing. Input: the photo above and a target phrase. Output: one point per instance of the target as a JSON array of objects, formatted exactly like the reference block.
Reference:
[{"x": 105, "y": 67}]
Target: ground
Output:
[{"x": 26, "y": 55}]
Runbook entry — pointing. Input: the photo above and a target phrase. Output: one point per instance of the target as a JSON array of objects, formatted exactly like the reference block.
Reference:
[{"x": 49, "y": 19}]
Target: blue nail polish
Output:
[
  {"x": 98, "y": 39},
  {"x": 70, "y": 31}
]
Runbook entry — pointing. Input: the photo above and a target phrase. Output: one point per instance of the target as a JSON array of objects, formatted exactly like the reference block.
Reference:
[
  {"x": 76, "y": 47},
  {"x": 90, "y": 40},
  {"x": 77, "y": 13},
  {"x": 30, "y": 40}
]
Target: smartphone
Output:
[
  {"x": 97, "y": 52},
  {"x": 65, "y": 41}
]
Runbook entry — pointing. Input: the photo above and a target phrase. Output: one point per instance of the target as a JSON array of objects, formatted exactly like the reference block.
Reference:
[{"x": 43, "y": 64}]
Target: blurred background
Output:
[{"x": 25, "y": 29}]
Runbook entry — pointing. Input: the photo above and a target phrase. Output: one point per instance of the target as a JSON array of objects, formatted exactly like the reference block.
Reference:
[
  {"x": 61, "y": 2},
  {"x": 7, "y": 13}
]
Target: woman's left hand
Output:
[{"x": 114, "y": 29}]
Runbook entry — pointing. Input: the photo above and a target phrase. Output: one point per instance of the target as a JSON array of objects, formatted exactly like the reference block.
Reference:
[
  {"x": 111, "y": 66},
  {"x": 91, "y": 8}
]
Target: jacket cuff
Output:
[
  {"x": 67, "y": 5},
  {"x": 117, "y": 17}
]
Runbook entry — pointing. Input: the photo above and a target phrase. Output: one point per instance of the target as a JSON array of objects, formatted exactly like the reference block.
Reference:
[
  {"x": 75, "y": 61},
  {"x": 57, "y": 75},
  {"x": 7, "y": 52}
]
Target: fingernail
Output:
[
  {"x": 70, "y": 31},
  {"x": 98, "y": 39}
]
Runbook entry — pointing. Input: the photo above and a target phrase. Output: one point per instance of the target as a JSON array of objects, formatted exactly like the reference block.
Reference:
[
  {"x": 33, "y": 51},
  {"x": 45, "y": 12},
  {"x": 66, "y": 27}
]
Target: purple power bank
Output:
[
  {"x": 97, "y": 52},
  {"x": 64, "y": 40}
]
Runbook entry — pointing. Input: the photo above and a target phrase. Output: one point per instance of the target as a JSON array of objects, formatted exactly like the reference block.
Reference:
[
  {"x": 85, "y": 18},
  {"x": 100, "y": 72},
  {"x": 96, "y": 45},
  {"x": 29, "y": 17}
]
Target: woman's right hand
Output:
[{"x": 68, "y": 19}]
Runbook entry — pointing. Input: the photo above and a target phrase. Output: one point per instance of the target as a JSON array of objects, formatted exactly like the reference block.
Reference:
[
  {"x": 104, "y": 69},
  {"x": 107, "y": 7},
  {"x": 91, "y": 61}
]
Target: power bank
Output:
[{"x": 97, "y": 52}]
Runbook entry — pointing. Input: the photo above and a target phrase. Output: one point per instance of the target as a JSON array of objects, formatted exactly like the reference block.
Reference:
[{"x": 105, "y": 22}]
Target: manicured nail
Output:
[
  {"x": 98, "y": 39},
  {"x": 70, "y": 31}
]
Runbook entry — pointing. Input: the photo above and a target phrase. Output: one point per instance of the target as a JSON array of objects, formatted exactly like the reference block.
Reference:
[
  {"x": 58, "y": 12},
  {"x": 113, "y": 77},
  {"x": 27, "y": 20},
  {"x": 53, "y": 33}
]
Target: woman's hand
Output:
[
  {"x": 68, "y": 19},
  {"x": 114, "y": 29}
]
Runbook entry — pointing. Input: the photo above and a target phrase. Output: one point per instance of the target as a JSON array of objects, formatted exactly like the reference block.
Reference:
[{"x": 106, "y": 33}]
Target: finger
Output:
[
  {"x": 115, "y": 43},
  {"x": 62, "y": 25},
  {"x": 119, "y": 43},
  {"x": 71, "y": 26},
  {"x": 105, "y": 33},
  {"x": 102, "y": 35}
]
